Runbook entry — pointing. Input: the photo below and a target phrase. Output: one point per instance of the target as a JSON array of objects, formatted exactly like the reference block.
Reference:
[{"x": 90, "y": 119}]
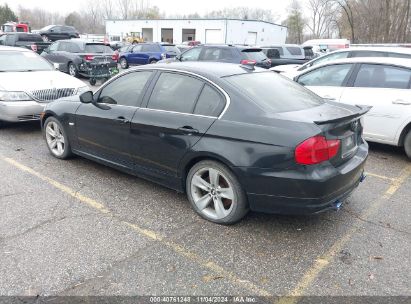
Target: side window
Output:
[
  {"x": 399, "y": 55},
  {"x": 74, "y": 48},
  {"x": 332, "y": 75},
  {"x": 380, "y": 76},
  {"x": 64, "y": 47},
  {"x": 210, "y": 102},
  {"x": 326, "y": 58},
  {"x": 150, "y": 48},
  {"x": 211, "y": 54},
  {"x": 175, "y": 92},
  {"x": 54, "y": 46},
  {"x": 136, "y": 49},
  {"x": 126, "y": 90},
  {"x": 191, "y": 55},
  {"x": 55, "y": 29}
]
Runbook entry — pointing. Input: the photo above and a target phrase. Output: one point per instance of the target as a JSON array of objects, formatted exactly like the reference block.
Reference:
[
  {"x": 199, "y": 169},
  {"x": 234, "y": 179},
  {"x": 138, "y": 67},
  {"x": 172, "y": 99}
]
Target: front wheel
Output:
[
  {"x": 123, "y": 63},
  {"x": 93, "y": 81},
  {"x": 407, "y": 144},
  {"x": 215, "y": 193},
  {"x": 56, "y": 138},
  {"x": 45, "y": 38},
  {"x": 72, "y": 70}
]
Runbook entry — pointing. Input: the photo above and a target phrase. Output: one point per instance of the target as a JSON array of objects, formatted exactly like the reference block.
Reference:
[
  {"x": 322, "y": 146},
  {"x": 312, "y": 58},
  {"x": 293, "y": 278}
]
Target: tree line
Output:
[{"x": 361, "y": 21}]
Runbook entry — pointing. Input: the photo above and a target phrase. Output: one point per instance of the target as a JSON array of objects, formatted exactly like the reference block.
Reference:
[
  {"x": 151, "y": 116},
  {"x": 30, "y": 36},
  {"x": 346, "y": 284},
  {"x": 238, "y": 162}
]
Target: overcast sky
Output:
[{"x": 166, "y": 6}]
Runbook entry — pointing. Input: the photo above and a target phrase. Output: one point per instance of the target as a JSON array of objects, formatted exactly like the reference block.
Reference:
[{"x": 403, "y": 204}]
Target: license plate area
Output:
[{"x": 349, "y": 145}]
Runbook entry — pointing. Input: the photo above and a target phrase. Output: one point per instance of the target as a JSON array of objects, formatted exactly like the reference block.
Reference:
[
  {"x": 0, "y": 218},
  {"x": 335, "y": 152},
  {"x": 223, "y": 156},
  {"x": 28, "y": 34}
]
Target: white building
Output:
[{"x": 217, "y": 31}]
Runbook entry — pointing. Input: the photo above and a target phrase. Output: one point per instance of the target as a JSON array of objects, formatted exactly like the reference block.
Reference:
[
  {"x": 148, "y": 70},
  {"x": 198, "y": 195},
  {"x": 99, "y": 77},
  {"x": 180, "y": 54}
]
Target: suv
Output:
[
  {"x": 58, "y": 32},
  {"x": 26, "y": 40},
  {"x": 74, "y": 56},
  {"x": 226, "y": 53},
  {"x": 285, "y": 54},
  {"x": 145, "y": 53}
]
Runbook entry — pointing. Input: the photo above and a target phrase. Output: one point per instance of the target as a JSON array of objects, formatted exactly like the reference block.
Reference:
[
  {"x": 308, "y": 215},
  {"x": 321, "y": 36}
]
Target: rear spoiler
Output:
[{"x": 363, "y": 111}]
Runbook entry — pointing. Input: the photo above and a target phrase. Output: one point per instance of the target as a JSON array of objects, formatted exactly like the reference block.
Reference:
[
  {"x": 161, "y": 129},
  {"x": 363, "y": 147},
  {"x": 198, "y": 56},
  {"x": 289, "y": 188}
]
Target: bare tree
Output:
[
  {"x": 295, "y": 23},
  {"x": 321, "y": 15}
]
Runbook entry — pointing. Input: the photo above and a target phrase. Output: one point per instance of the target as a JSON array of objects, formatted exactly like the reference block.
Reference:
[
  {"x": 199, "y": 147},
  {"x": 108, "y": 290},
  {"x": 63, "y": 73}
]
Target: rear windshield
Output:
[
  {"x": 98, "y": 48},
  {"x": 275, "y": 93},
  {"x": 29, "y": 37},
  {"x": 22, "y": 61},
  {"x": 256, "y": 55},
  {"x": 172, "y": 49}
]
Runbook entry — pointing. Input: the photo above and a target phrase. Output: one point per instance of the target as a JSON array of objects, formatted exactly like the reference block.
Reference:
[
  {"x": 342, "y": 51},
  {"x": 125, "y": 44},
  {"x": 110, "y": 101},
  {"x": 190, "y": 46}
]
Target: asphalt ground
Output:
[{"x": 77, "y": 228}]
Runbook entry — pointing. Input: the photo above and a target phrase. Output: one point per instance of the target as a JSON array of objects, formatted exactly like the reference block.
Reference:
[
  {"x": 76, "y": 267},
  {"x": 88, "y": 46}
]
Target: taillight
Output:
[
  {"x": 34, "y": 47},
  {"x": 115, "y": 56},
  {"x": 315, "y": 150},
  {"x": 88, "y": 57},
  {"x": 248, "y": 61}
]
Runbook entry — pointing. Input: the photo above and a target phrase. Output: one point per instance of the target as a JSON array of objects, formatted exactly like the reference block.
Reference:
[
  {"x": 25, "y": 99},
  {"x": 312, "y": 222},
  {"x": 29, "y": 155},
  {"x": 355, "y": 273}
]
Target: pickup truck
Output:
[
  {"x": 29, "y": 41},
  {"x": 286, "y": 54}
]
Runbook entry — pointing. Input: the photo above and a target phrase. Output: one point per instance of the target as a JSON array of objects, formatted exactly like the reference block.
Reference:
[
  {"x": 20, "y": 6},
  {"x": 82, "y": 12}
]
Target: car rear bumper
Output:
[
  {"x": 305, "y": 191},
  {"x": 16, "y": 111}
]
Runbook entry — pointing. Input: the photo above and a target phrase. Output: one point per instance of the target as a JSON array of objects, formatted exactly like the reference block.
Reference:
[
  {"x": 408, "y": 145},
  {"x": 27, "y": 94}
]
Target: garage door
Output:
[
  {"x": 252, "y": 38},
  {"x": 213, "y": 36}
]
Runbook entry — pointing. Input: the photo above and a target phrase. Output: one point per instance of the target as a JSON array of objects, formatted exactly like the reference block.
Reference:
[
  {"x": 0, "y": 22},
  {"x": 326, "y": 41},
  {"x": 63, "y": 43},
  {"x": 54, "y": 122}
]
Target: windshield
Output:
[
  {"x": 23, "y": 61},
  {"x": 98, "y": 48},
  {"x": 256, "y": 55},
  {"x": 275, "y": 93},
  {"x": 46, "y": 28},
  {"x": 172, "y": 49}
]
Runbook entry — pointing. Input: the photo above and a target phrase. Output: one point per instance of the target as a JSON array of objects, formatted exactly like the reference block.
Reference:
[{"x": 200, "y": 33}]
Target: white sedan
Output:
[
  {"x": 383, "y": 83},
  {"x": 28, "y": 82}
]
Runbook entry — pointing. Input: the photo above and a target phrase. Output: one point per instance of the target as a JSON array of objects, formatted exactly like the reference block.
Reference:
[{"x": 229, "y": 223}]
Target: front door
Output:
[
  {"x": 387, "y": 89},
  {"x": 104, "y": 130}
]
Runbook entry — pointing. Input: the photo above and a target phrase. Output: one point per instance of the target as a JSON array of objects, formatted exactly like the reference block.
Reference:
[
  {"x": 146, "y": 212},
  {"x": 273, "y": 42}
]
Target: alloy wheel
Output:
[
  {"x": 55, "y": 138},
  {"x": 72, "y": 70},
  {"x": 212, "y": 193}
]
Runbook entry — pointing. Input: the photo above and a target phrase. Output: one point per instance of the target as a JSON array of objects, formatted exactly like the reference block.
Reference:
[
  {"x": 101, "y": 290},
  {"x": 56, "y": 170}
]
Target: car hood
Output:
[{"x": 29, "y": 81}]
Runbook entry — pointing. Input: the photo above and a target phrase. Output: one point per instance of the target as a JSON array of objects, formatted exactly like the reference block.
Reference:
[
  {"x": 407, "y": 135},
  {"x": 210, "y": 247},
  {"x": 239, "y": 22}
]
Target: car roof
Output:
[
  {"x": 12, "y": 48},
  {"x": 205, "y": 69},
  {"x": 391, "y": 49},
  {"x": 404, "y": 62},
  {"x": 280, "y": 45},
  {"x": 80, "y": 41}
]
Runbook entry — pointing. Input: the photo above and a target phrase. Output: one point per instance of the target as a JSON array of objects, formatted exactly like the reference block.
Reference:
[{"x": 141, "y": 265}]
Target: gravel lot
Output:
[{"x": 78, "y": 228}]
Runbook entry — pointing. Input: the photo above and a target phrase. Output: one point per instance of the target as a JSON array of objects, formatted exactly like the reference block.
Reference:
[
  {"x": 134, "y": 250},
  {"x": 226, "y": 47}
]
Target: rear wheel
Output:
[
  {"x": 93, "y": 81},
  {"x": 56, "y": 138},
  {"x": 72, "y": 70},
  {"x": 407, "y": 144},
  {"x": 123, "y": 63},
  {"x": 153, "y": 61},
  {"x": 215, "y": 193}
]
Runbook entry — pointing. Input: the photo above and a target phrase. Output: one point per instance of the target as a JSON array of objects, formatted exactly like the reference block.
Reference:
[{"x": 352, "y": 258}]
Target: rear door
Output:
[
  {"x": 327, "y": 81},
  {"x": 387, "y": 89},
  {"x": 176, "y": 117},
  {"x": 104, "y": 131}
]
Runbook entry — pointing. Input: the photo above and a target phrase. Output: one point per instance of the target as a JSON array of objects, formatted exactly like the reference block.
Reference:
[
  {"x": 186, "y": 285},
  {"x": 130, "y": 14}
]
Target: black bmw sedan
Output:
[{"x": 234, "y": 138}]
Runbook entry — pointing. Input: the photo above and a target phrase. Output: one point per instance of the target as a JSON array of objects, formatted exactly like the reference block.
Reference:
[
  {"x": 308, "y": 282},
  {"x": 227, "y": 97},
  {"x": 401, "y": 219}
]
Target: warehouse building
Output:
[{"x": 215, "y": 31}]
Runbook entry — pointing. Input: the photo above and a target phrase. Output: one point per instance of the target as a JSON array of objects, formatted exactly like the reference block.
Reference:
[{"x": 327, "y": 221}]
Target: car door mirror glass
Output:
[
  {"x": 107, "y": 99},
  {"x": 86, "y": 97}
]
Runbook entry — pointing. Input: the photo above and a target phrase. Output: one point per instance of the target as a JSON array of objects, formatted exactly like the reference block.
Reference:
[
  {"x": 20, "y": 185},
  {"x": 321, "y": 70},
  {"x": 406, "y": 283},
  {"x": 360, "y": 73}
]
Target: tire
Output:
[
  {"x": 407, "y": 144},
  {"x": 45, "y": 38},
  {"x": 56, "y": 139},
  {"x": 93, "y": 81},
  {"x": 72, "y": 70},
  {"x": 209, "y": 199},
  {"x": 153, "y": 61},
  {"x": 123, "y": 63}
]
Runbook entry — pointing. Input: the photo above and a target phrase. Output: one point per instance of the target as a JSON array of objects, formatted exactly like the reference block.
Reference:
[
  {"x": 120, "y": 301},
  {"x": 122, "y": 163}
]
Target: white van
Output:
[{"x": 327, "y": 45}]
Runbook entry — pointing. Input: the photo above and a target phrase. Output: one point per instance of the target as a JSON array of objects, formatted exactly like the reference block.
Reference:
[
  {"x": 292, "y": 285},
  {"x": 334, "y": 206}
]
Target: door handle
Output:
[
  {"x": 188, "y": 130},
  {"x": 401, "y": 102},
  {"x": 121, "y": 120}
]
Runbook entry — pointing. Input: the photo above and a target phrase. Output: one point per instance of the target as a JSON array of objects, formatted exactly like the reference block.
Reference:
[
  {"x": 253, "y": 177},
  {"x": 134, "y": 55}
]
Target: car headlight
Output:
[
  {"x": 14, "y": 96},
  {"x": 81, "y": 90}
]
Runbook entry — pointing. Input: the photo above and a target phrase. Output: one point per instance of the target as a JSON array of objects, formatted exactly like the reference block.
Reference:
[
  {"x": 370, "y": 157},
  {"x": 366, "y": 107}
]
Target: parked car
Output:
[
  {"x": 233, "y": 138},
  {"x": 285, "y": 54},
  {"x": 309, "y": 53},
  {"x": 291, "y": 71},
  {"x": 28, "y": 82},
  {"x": 146, "y": 53},
  {"x": 74, "y": 56},
  {"x": 383, "y": 83},
  {"x": 191, "y": 43},
  {"x": 58, "y": 32},
  {"x": 225, "y": 53},
  {"x": 26, "y": 40}
]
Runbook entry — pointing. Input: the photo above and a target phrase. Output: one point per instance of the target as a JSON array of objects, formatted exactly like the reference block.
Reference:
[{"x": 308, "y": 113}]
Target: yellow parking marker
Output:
[
  {"x": 322, "y": 262},
  {"x": 218, "y": 270}
]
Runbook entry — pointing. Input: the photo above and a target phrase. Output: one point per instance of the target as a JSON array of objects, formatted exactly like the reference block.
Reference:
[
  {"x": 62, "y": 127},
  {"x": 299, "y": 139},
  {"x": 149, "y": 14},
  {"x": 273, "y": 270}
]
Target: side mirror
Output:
[{"x": 86, "y": 97}]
